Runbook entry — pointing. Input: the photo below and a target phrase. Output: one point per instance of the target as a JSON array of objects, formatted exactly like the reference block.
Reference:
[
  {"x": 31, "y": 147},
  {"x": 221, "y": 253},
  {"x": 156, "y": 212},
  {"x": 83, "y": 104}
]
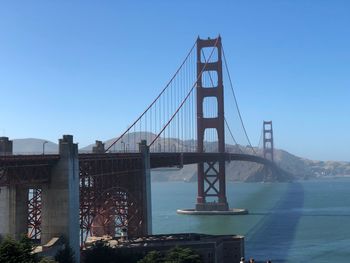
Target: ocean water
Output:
[{"x": 306, "y": 221}]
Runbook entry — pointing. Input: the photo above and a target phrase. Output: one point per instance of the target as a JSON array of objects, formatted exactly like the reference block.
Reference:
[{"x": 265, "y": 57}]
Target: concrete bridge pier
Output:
[
  {"x": 13, "y": 202},
  {"x": 146, "y": 170},
  {"x": 13, "y": 211},
  {"x": 60, "y": 198},
  {"x": 6, "y": 146}
]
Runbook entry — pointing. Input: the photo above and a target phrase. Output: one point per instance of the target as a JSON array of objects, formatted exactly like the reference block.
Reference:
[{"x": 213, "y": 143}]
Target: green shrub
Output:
[
  {"x": 12, "y": 251},
  {"x": 153, "y": 257},
  {"x": 174, "y": 255},
  {"x": 182, "y": 255}
]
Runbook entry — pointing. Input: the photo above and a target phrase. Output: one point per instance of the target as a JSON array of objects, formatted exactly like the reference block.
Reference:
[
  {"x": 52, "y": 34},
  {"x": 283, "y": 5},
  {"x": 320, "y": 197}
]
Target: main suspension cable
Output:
[
  {"x": 235, "y": 99},
  {"x": 188, "y": 95},
  {"x": 212, "y": 83},
  {"x": 233, "y": 138},
  {"x": 155, "y": 100}
]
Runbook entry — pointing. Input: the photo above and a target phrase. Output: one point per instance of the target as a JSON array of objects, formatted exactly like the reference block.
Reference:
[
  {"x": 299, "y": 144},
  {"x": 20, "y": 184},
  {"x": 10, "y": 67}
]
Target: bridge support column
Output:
[
  {"x": 146, "y": 169},
  {"x": 13, "y": 202},
  {"x": 99, "y": 147},
  {"x": 60, "y": 198},
  {"x": 6, "y": 146},
  {"x": 13, "y": 211}
]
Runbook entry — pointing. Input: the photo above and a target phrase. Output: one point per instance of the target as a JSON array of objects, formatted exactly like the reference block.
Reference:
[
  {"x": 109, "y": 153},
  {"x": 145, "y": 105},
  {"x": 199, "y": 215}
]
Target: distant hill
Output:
[
  {"x": 299, "y": 168},
  {"x": 33, "y": 146},
  {"x": 131, "y": 142}
]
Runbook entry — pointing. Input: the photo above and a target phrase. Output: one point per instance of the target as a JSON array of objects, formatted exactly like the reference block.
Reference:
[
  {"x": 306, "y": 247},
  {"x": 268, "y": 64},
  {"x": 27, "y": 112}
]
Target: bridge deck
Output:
[
  {"x": 35, "y": 169},
  {"x": 172, "y": 159},
  {"x": 163, "y": 159}
]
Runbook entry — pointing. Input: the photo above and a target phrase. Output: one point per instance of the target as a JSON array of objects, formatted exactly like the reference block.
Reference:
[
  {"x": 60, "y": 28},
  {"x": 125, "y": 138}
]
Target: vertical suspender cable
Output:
[{"x": 235, "y": 99}]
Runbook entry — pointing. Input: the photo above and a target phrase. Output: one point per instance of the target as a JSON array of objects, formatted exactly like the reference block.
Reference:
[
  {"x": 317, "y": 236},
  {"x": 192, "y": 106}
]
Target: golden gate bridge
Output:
[{"x": 77, "y": 195}]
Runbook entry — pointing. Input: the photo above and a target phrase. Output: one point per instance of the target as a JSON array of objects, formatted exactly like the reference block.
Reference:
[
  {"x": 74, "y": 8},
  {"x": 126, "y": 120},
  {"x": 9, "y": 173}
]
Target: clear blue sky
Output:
[{"x": 88, "y": 68}]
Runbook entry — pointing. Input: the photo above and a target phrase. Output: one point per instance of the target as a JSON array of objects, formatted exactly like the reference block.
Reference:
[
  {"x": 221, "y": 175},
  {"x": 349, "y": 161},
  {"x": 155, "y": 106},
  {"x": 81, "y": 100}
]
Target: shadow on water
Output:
[
  {"x": 273, "y": 236},
  {"x": 304, "y": 214}
]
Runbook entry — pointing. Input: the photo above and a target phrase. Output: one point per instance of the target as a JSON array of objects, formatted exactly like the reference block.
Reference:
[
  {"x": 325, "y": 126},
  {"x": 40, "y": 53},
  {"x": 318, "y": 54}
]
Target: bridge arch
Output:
[{"x": 113, "y": 212}]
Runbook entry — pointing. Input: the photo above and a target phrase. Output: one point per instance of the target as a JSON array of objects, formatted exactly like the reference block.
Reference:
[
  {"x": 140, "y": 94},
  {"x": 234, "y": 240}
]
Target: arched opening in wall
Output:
[
  {"x": 209, "y": 79},
  {"x": 211, "y": 142},
  {"x": 210, "y": 107},
  {"x": 114, "y": 214},
  {"x": 173, "y": 148},
  {"x": 206, "y": 52}
]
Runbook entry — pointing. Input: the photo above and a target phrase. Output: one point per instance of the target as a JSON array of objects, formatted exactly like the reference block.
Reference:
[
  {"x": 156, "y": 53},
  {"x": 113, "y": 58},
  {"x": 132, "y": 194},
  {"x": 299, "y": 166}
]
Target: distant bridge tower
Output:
[
  {"x": 268, "y": 140},
  {"x": 211, "y": 175}
]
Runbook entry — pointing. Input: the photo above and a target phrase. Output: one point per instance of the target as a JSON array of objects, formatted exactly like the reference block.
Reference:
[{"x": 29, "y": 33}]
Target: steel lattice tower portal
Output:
[
  {"x": 268, "y": 140},
  {"x": 211, "y": 175}
]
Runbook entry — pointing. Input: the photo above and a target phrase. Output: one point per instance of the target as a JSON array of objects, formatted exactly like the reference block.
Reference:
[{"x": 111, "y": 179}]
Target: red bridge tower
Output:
[
  {"x": 211, "y": 175},
  {"x": 268, "y": 140}
]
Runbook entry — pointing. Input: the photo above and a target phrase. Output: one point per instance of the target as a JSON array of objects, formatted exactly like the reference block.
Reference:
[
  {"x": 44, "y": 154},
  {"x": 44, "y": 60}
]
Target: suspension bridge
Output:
[{"x": 77, "y": 195}]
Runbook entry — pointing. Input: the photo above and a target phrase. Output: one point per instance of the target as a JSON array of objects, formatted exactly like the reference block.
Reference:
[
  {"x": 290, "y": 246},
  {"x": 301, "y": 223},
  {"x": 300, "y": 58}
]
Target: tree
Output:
[
  {"x": 182, "y": 255},
  {"x": 26, "y": 246},
  {"x": 12, "y": 251},
  {"x": 174, "y": 255},
  {"x": 152, "y": 257}
]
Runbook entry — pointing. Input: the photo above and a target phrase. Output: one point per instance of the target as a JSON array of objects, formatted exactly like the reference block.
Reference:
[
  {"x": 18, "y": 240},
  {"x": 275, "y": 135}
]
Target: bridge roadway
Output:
[
  {"x": 175, "y": 159},
  {"x": 33, "y": 169}
]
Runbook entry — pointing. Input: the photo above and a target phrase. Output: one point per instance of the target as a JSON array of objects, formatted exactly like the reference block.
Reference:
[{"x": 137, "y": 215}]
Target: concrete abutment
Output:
[
  {"x": 14, "y": 211},
  {"x": 60, "y": 198},
  {"x": 13, "y": 202}
]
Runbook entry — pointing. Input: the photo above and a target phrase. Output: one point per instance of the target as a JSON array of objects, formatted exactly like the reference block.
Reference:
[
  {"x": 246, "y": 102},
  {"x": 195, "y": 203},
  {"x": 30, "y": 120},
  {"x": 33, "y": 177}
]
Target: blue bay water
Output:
[{"x": 306, "y": 221}]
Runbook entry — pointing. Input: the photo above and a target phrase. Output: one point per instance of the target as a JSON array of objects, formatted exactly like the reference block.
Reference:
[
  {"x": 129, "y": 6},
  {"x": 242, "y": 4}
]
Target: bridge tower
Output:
[
  {"x": 6, "y": 146},
  {"x": 268, "y": 140},
  {"x": 211, "y": 175}
]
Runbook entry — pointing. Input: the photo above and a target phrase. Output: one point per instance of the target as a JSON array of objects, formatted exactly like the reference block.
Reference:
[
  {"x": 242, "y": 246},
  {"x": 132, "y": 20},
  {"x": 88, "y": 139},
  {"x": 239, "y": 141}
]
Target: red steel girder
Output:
[{"x": 26, "y": 169}]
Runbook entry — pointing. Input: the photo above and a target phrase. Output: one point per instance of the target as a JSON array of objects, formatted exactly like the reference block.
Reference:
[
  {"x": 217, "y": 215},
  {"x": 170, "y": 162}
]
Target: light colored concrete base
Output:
[{"x": 233, "y": 211}]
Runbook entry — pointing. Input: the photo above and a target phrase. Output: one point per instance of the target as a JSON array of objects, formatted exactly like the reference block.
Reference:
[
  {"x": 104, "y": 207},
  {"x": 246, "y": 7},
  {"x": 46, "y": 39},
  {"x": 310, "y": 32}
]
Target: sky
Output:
[{"x": 89, "y": 68}]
